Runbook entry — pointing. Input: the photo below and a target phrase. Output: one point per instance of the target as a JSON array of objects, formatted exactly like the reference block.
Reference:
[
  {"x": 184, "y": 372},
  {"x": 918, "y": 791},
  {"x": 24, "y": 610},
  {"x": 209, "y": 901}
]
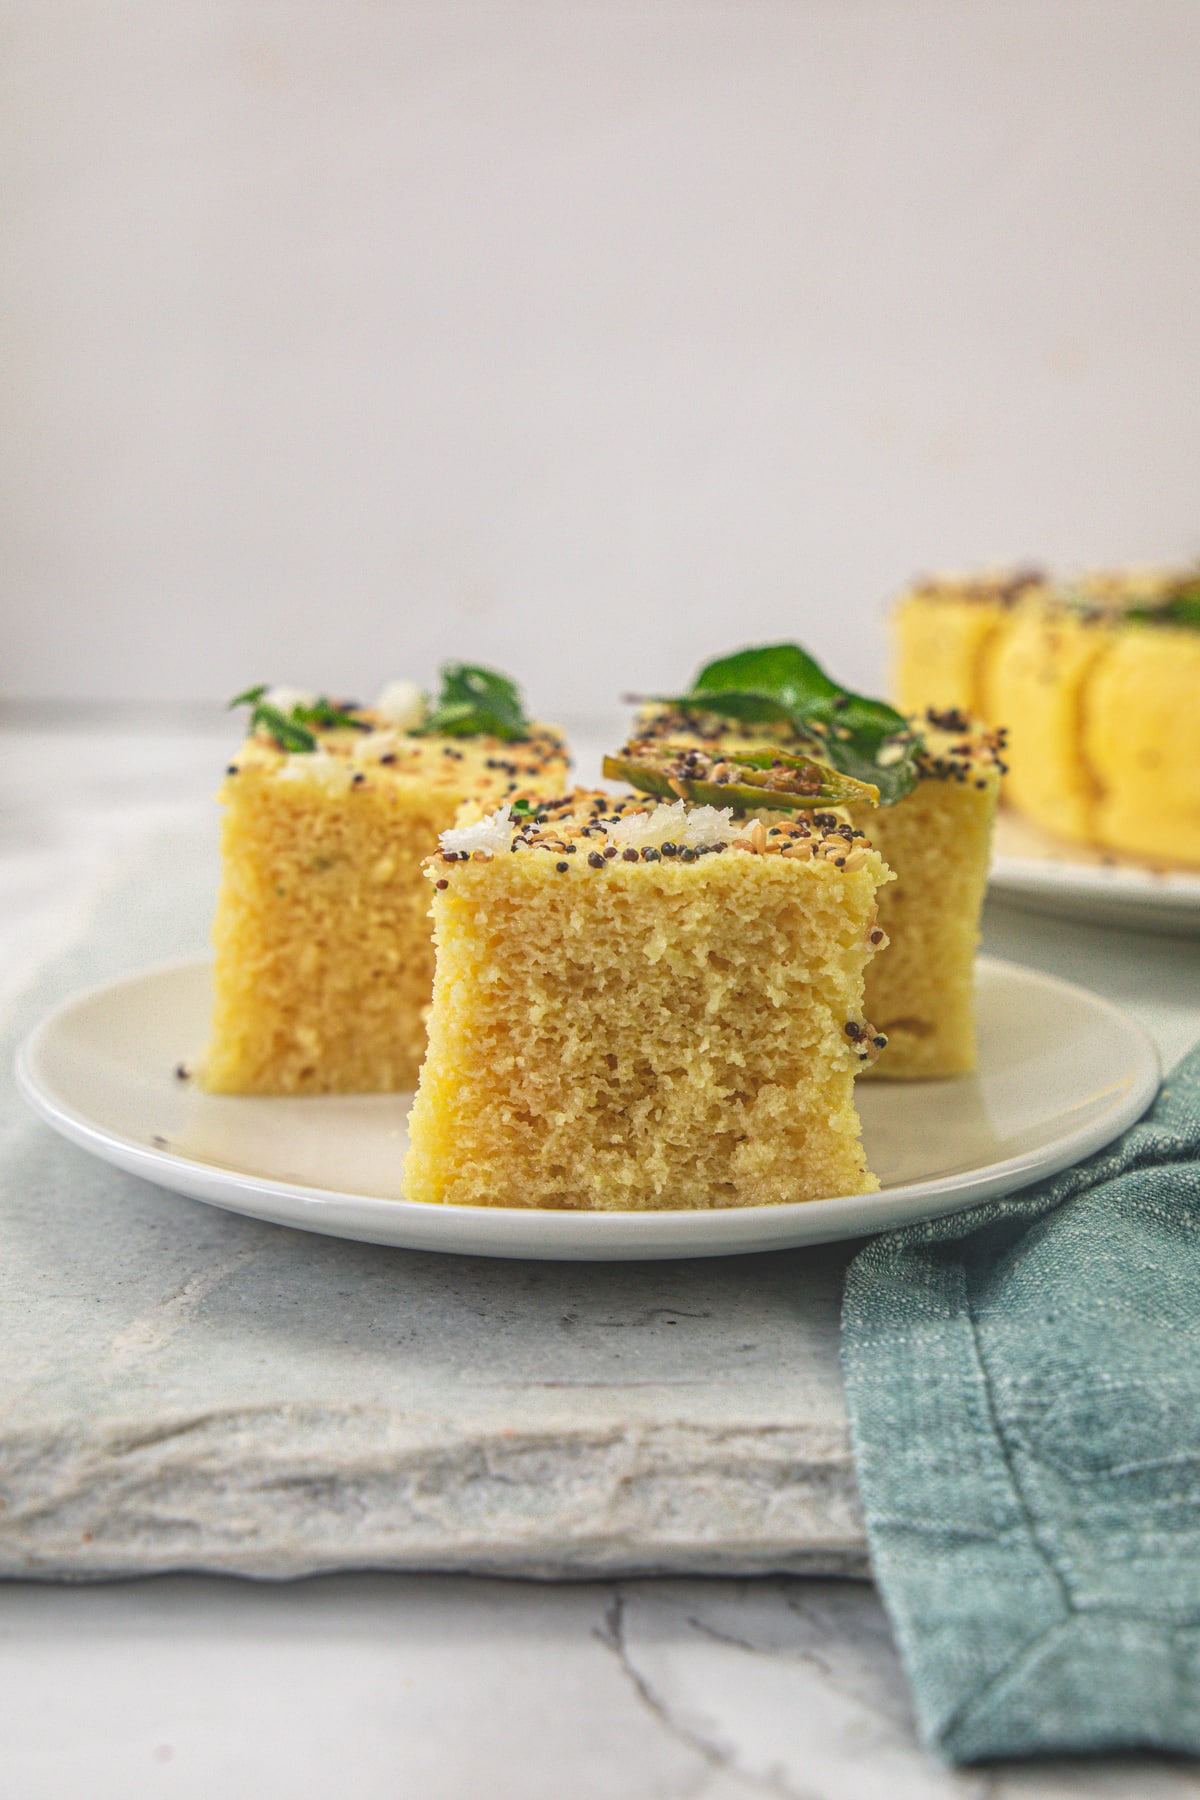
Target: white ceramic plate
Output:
[
  {"x": 1062, "y": 1072},
  {"x": 1037, "y": 871}
]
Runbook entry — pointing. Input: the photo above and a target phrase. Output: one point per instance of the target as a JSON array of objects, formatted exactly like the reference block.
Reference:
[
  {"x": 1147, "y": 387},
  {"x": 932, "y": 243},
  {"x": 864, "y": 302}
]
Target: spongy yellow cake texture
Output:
[
  {"x": 946, "y": 632},
  {"x": 1141, "y": 743},
  {"x": 921, "y": 993},
  {"x": 324, "y": 958},
  {"x": 1039, "y": 678},
  {"x": 638, "y": 1024},
  {"x": 1098, "y": 697},
  {"x": 937, "y": 842}
]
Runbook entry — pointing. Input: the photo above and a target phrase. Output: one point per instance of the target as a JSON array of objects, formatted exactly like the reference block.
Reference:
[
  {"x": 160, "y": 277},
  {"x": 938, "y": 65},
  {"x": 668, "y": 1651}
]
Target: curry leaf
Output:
[
  {"x": 476, "y": 701},
  {"x": 771, "y": 778},
  {"x": 865, "y": 739}
]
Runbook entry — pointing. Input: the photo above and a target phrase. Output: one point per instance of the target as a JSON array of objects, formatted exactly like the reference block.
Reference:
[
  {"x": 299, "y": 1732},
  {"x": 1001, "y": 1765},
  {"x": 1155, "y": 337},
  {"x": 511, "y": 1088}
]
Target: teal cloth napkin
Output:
[{"x": 1024, "y": 1390}]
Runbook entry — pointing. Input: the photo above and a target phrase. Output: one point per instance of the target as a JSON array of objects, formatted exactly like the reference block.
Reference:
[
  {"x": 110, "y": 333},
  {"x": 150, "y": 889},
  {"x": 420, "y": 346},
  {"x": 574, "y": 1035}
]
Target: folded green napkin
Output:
[{"x": 1024, "y": 1390}]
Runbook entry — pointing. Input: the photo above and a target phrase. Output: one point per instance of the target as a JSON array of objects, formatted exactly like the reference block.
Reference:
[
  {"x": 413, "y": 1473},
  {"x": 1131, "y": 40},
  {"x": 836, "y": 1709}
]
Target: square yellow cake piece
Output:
[
  {"x": 1141, "y": 741},
  {"x": 1095, "y": 680},
  {"x": 936, "y": 839},
  {"x": 645, "y": 1006},
  {"x": 324, "y": 957},
  {"x": 947, "y": 631}
]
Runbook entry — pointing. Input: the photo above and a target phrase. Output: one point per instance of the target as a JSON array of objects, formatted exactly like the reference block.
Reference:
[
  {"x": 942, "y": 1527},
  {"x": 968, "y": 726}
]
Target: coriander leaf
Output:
[
  {"x": 473, "y": 702},
  {"x": 328, "y": 717},
  {"x": 289, "y": 732},
  {"x": 782, "y": 684},
  {"x": 291, "y": 729}
]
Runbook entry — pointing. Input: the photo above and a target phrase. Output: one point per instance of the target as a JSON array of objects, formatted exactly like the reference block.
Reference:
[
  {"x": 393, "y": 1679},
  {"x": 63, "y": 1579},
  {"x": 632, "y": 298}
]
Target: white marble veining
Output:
[
  {"x": 441, "y": 1688},
  {"x": 444, "y": 1687}
]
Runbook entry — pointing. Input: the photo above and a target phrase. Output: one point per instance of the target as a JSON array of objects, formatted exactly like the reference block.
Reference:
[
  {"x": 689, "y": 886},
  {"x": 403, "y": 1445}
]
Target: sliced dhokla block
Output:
[
  {"x": 946, "y": 631},
  {"x": 645, "y": 1006},
  {"x": 937, "y": 839},
  {"x": 324, "y": 958},
  {"x": 1141, "y": 742},
  {"x": 1100, "y": 680},
  {"x": 1095, "y": 680},
  {"x": 1038, "y": 680}
]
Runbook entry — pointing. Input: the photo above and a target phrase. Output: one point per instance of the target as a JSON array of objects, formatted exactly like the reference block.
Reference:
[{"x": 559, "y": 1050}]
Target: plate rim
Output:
[
  {"x": 726, "y": 1230},
  {"x": 1059, "y": 873}
]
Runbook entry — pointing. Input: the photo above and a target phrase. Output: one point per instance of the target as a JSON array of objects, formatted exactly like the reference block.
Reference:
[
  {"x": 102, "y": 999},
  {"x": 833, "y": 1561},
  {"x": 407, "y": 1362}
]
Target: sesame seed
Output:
[
  {"x": 562, "y": 867},
  {"x": 441, "y": 885},
  {"x": 629, "y": 856},
  {"x": 595, "y": 860}
]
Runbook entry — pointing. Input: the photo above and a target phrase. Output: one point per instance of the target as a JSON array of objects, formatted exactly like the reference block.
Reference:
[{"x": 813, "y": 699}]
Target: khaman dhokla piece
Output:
[
  {"x": 646, "y": 1005},
  {"x": 1096, "y": 680},
  {"x": 324, "y": 959},
  {"x": 937, "y": 781}
]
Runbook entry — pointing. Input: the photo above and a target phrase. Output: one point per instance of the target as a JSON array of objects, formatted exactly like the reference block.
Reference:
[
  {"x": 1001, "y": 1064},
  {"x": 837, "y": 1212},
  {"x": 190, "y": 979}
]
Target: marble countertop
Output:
[{"x": 447, "y": 1686}]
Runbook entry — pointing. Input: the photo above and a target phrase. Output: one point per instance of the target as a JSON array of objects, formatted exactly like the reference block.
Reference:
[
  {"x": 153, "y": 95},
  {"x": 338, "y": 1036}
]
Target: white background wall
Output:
[{"x": 584, "y": 338}]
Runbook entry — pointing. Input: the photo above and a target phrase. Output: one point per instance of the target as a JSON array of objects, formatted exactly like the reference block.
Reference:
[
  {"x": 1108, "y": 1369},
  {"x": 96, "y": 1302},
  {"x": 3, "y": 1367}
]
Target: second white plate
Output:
[
  {"x": 1071, "y": 881},
  {"x": 1061, "y": 1073}
]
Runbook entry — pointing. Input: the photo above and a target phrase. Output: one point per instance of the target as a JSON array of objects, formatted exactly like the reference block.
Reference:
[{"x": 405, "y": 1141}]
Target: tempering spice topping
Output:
[
  {"x": 867, "y": 1042},
  {"x": 960, "y": 761},
  {"x": 631, "y": 829},
  {"x": 1000, "y": 587}
]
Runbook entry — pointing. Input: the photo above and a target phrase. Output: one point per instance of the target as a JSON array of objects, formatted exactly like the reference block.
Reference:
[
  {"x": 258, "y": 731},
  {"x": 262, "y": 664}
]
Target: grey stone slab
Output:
[{"x": 186, "y": 1389}]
